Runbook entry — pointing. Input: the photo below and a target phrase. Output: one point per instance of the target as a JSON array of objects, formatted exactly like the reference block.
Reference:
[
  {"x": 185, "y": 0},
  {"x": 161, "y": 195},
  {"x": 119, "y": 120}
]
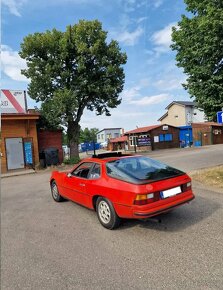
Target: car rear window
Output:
[{"x": 140, "y": 169}]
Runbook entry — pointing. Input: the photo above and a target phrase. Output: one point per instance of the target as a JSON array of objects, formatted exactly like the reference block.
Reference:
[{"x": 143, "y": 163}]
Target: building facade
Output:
[
  {"x": 19, "y": 145},
  {"x": 207, "y": 133},
  {"x": 120, "y": 143},
  {"x": 153, "y": 138},
  {"x": 51, "y": 139},
  {"x": 180, "y": 113},
  {"x": 108, "y": 133}
]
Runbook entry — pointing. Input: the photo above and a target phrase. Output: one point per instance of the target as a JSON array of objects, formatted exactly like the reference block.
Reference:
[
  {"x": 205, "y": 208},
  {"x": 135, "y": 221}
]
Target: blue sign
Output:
[
  {"x": 28, "y": 152},
  {"x": 220, "y": 117}
]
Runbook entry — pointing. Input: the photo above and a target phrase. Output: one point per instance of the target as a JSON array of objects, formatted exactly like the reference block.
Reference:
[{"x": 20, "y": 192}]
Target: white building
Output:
[{"x": 108, "y": 133}]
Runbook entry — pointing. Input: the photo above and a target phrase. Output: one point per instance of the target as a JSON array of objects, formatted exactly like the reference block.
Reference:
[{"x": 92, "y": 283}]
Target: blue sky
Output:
[{"x": 143, "y": 30}]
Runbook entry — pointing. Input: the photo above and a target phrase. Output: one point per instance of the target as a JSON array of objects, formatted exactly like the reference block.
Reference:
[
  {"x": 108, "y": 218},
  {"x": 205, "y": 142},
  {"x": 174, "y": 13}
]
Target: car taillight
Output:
[
  {"x": 142, "y": 199},
  {"x": 189, "y": 185},
  {"x": 186, "y": 186}
]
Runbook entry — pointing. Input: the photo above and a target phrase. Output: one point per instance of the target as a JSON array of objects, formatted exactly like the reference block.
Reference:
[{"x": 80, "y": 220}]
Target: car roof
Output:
[{"x": 106, "y": 157}]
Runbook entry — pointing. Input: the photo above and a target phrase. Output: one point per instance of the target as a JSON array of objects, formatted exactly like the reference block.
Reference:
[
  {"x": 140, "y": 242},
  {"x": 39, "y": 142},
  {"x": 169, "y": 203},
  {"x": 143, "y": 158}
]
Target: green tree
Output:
[
  {"x": 88, "y": 135},
  {"x": 73, "y": 70},
  {"x": 64, "y": 138},
  {"x": 47, "y": 121},
  {"x": 198, "y": 40}
]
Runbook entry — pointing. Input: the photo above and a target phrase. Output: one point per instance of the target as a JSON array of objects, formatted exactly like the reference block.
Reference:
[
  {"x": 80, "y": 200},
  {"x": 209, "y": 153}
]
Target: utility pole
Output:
[{"x": 134, "y": 139}]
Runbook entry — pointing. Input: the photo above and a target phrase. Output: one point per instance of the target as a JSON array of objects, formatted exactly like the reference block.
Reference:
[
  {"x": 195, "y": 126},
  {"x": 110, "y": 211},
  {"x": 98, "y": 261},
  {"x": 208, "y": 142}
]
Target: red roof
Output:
[
  {"x": 143, "y": 129},
  {"x": 119, "y": 139}
]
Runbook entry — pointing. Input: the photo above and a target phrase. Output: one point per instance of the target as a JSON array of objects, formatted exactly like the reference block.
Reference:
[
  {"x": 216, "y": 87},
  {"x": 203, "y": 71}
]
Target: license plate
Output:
[{"x": 170, "y": 192}]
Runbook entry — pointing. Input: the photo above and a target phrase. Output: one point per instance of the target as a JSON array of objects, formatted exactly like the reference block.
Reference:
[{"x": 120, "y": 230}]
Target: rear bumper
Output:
[{"x": 162, "y": 206}]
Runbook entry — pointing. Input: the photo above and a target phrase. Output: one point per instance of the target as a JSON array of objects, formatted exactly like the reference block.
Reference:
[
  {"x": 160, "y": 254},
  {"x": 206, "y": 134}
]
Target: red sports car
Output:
[{"x": 122, "y": 186}]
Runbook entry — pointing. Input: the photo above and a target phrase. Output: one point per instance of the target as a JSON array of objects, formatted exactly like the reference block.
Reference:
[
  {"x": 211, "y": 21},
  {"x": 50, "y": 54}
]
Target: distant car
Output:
[{"x": 122, "y": 186}]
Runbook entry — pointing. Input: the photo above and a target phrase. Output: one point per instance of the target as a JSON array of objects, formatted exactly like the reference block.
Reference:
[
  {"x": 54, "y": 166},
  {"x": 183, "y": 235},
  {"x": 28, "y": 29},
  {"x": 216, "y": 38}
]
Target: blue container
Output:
[
  {"x": 186, "y": 136},
  {"x": 197, "y": 143},
  {"x": 89, "y": 146}
]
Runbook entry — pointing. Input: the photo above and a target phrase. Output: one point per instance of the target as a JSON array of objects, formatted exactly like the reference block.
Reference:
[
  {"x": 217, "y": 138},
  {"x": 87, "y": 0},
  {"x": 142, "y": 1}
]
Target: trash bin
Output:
[
  {"x": 51, "y": 156},
  {"x": 42, "y": 159}
]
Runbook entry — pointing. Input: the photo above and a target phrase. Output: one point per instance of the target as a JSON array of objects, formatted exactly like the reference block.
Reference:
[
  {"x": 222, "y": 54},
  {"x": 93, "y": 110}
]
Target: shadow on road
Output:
[{"x": 178, "y": 219}]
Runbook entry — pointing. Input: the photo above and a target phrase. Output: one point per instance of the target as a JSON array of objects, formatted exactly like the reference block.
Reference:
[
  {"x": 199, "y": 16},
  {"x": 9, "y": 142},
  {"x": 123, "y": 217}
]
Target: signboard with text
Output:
[
  {"x": 143, "y": 141},
  {"x": 13, "y": 101}
]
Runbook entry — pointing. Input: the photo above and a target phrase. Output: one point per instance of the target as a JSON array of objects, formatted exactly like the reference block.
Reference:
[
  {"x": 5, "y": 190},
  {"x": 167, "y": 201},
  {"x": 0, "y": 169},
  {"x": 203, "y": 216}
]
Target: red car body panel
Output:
[{"x": 122, "y": 194}]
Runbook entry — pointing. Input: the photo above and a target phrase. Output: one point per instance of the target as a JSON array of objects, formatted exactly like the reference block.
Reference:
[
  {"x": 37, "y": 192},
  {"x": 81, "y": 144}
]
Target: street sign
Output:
[{"x": 220, "y": 117}]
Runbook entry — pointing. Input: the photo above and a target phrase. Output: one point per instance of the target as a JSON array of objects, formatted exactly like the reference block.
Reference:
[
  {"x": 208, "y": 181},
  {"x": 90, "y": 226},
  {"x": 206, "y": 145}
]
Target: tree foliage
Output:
[
  {"x": 74, "y": 70},
  {"x": 88, "y": 135},
  {"x": 198, "y": 40}
]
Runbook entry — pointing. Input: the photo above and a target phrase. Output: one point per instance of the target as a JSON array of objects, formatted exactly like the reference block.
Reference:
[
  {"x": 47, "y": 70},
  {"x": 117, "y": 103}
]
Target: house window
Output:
[
  {"x": 161, "y": 137},
  {"x": 133, "y": 140},
  {"x": 168, "y": 137},
  {"x": 102, "y": 136},
  {"x": 165, "y": 137}
]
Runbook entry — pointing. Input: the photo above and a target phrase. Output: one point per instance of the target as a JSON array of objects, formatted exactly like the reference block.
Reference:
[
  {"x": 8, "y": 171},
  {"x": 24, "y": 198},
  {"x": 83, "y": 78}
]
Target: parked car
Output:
[{"x": 122, "y": 186}]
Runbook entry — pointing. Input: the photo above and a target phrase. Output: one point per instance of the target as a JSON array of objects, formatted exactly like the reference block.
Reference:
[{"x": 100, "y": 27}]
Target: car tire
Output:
[
  {"x": 55, "y": 192},
  {"x": 106, "y": 214}
]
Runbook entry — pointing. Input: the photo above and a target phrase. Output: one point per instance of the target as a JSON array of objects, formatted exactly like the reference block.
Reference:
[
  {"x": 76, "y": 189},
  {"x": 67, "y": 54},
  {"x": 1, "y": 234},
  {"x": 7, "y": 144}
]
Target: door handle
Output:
[{"x": 82, "y": 184}]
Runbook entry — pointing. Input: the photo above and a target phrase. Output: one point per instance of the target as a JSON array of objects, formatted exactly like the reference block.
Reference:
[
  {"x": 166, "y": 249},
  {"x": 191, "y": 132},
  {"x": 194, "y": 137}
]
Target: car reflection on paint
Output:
[{"x": 120, "y": 186}]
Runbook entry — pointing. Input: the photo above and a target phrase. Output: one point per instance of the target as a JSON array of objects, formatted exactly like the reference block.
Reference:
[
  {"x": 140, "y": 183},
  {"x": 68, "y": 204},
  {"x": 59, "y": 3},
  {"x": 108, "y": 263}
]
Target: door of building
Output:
[{"x": 14, "y": 153}]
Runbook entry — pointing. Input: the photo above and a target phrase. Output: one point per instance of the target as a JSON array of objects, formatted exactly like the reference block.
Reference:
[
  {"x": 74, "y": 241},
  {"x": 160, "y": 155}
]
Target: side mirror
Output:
[{"x": 69, "y": 174}]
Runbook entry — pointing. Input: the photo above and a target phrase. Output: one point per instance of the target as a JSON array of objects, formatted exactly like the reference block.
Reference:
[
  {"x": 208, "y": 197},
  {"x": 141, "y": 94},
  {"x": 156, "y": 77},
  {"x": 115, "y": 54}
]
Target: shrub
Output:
[{"x": 72, "y": 160}]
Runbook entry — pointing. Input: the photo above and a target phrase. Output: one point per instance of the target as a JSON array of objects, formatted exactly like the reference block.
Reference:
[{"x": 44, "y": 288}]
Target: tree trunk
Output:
[{"x": 73, "y": 134}]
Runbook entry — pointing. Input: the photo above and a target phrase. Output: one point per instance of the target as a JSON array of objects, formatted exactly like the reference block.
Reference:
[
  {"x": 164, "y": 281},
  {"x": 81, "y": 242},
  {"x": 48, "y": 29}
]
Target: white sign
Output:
[
  {"x": 165, "y": 128},
  {"x": 13, "y": 101},
  {"x": 156, "y": 139}
]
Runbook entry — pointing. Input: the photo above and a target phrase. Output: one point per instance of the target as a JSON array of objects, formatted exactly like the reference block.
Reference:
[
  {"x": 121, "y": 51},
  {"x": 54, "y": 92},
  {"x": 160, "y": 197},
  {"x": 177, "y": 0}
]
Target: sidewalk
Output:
[{"x": 18, "y": 173}]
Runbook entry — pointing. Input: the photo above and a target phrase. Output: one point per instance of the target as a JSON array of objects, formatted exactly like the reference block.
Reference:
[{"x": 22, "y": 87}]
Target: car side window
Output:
[
  {"x": 83, "y": 170},
  {"x": 95, "y": 172}
]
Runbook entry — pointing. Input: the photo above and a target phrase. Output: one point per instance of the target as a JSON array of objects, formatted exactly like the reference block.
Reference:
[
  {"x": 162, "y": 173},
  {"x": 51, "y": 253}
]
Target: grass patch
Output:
[
  {"x": 72, "y": 160},
  {"x": 211, "y": 176}
]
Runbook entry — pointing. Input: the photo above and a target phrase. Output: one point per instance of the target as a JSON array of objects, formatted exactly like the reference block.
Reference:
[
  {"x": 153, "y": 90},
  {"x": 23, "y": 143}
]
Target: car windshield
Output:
[{"x": 139, "y": 170}]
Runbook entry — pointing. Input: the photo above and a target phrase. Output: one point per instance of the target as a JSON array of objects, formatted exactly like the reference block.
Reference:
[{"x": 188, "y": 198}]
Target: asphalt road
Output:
[
  {"x": 193, "y": 158},
  {"x": 49, "y": 245}
]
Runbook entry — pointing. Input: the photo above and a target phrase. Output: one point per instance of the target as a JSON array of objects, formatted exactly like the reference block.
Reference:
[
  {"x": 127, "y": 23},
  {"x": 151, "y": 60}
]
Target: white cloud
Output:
[
  {"x": 162, "y": 38},
  {"x": 120, "y": 117},
  {"x": 141, "y": 19},
  {"x": 157, "y": 3},
  {"x": 170, "y": 83},
  {"x": 134, "y": 92},
  {"x": 12, "y": 63},
  {"x": 129, "y": 38},
  {"x": 150, "y": 100},
  {"x": 128, "y": 94},
  {"x": 170, "y": 78},
  {"x": 14, "y": 6}
]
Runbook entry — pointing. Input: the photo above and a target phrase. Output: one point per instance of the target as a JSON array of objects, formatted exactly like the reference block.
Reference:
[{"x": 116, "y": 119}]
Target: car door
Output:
[{"x": 76, "y": 181}]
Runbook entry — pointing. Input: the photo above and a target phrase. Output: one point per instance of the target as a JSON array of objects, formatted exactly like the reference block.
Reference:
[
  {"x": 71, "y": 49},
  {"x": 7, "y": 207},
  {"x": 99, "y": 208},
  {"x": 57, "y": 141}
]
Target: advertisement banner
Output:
[
  {"x": 13, "y": 101},
  {"x": 143, "y": 141}
]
